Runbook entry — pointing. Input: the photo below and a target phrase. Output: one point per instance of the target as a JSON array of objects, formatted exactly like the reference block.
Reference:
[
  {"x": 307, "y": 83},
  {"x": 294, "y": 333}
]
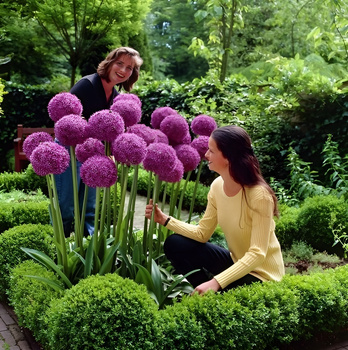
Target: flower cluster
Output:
[
  {"x": 33, "y": 140},
  {"x": 175, "y": 174},
  {"x": 160, "y": 136},
  {"x": 70, "y": 130},
  {"x": 159, "y": 114},
  {"x": 201, "y": 145},
  {"x": 63, "y": 104},
  {"x": 175, "y": 127},
  {"x": 203, "y": 125},
  {"x": 129, "y": 110},
  {"x": 128, "y": 97},
  {"x": 89, "y": 148},
  {"x": 145, "y": 132},
  {"x": 188, "y": 156}
]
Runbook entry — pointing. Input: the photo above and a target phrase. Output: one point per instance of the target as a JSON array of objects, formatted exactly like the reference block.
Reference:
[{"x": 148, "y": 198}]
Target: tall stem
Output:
[{"x": 195, "y": 191}]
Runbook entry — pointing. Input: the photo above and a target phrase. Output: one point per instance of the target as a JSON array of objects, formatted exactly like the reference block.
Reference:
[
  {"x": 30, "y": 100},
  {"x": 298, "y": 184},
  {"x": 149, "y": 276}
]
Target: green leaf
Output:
[{"x": 56, "y": 286}]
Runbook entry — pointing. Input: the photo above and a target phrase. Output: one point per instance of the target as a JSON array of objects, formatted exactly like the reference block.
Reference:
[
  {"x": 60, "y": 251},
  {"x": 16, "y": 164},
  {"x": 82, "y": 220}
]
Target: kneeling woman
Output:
[{"x": 243, "y": 204}]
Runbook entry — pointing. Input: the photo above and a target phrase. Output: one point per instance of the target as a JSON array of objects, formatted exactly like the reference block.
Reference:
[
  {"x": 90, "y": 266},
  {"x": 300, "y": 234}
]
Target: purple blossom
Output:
[
  {"x": 105, "y": 125},
  {"x": 160, "y": 136},
  {"x": 129, "y": 149},
  {"x": 128, "y": 97},
  {"x": 201, "y": 145},
  {"x": 49, "y": 158},
  {"x": 159, "y": 158},
  {"x": 175, "y": 127},
  {"x": 63, "y": 104},
  {"x": 159, "y": 114},
  {"x": 98, "y": 171},
  {"x": 186, "y": 141},
  {"x": 203, "y": 125},
  {"x": 175, "y": 174},
  {"x": 129, "y": 110},
  {"x": 89, "y": 148},
  {"x": 188, "y": 156},
  {"x": 33, "y": 140},
  {"x": 70, "y": 130},
  {"x": 144, "y": 131}
]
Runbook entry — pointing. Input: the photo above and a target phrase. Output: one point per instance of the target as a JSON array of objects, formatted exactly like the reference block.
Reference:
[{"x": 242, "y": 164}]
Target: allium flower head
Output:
[
  {"x": 63, "y": 104},
  {"x": 33, "y": 140},
  {"x": 188, "y": 156},
  {"x": 159, "y": 158},
  {"x": 98, "y": 171},
  {"x": 128, "y": 97},
  {"x": 105, "y": 125},
  {"x": 70, "y": 130},
  {"x": 129, "y": 110},
  {"x": 144, "y": 131},
  {"x": 160, "y": 136},
  {"x": 186, "y": 141},
  {"x": 203, "y": 125},
  {"x": 159, "y": 114},
  {"x": 49, "y": 158},
  {"x": 129, "y": 149},
  {"x": 176, "y": 173},
  {"x": 175, "y": 127},
  {"x": 201, "y": 145},
  {"x": 89, "y": 148}
]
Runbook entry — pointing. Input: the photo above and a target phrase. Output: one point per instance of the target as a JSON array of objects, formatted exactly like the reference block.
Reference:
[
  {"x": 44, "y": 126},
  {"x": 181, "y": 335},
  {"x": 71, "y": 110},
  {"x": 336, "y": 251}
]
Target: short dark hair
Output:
[{"x": 105, "y": 66}]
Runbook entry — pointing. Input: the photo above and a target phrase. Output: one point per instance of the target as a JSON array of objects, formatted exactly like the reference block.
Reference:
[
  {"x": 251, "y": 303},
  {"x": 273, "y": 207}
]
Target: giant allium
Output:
[
  {"x": 201, "y": 145},
  {"x": 129, "y": 110},
  {"x": 33, "y": 140},
  {"x": 89, "y": 148},
  {"x": 159, "y": 114},
  {"x": 188, "y": 156},
  {"x": 186, "y": 140},
  {"x": 175, "y": 127},
  {"x": 160, "y": 136},
  {"x": 49, "y": 158},
  {"x": 98, "y": 171},
  {"x": 203, "y": 125},
  {"x": 175, "y": 174},
  {"x": 105, "y": 125},
  {"x": 70, "y": 130},
  {"x": 144, "y": 131},
  {"x": 128, "y": 97},
  {"x": 159, "y": 158},
  {"x": 63, "y": 104},
  {"x": 129, "y": 149}
]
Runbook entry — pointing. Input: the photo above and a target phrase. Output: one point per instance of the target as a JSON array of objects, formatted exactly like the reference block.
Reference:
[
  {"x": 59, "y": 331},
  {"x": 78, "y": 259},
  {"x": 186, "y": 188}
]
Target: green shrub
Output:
[
  {"x": 315, "y": 221},
  {"x": 31, "y": 297},
  {"x": 103, "y": 312},
  {"x": 28, "y": 236}
]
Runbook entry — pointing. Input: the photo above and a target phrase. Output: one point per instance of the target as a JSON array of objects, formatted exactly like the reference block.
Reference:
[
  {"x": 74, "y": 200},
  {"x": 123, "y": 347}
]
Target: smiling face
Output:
[
  {"x": 121, "y": 69},
  {"x": 216, "y": 161}
]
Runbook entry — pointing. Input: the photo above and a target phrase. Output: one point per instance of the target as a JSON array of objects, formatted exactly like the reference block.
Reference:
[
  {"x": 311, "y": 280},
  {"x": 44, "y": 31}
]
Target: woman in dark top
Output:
[{"x": 96, "y": 91}]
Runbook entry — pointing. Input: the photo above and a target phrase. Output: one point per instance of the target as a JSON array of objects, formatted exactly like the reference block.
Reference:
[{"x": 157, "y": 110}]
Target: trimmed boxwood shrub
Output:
[
  {"x": 28, "y": 236},
  {"x": 103, "y": 312},
  {"x": 31, "y": 297}
]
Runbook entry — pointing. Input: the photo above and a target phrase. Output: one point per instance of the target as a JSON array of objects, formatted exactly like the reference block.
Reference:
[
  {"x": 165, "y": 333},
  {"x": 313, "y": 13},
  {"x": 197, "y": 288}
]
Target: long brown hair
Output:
[
  {"x": 235, "y": 145},
  {"x": 105, "y": 66}
]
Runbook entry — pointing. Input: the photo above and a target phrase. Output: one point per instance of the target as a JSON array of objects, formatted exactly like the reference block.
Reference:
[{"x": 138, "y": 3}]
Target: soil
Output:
[{"x": 303, "y": 266}]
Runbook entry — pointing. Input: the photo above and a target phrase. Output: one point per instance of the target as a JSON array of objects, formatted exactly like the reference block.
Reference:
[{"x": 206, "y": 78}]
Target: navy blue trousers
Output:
[{"x": 187, "y": 255}]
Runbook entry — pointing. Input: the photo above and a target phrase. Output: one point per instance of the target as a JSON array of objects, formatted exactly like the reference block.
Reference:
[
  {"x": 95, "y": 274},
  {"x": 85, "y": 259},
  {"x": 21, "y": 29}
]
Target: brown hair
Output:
[
  {"x": 105, "y": 66},
  {"x": 235, "y": 145}
]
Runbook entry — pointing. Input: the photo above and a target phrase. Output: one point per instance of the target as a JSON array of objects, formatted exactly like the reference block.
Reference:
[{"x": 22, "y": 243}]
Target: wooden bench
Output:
[{"x": 21, "y": 161}]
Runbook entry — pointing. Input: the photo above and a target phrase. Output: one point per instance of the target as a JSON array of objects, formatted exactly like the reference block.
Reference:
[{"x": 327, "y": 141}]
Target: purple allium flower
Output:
[
  {"x": 98, "y": 171},
  {"x": 105, "y": 125},
  {"x": 188, "y": 156},
  {"x": 159, "y": 114},
  {"x": 176, "y": 173},
  {"x": 144, "y": 132},
  {"x": 63, "y": 104},
  {"x": 70, "y": 130},
  {"x": 128, "y": 97},
  {"x": 203, "y": 125},
  {"x": 159, "y": 158},
  {"x": 129, "y": 149},
  {"x": 89, "y": 148},
  {"x": 49, "y": 158},
  {"x": 175, "y": 127},
  {"x": 129, "y": 110},
  {"x": 186, "y": 141},
  {"x": 201, "y": 145},
  {"x": 33, "y": 140},
  {"x": 160, "y": 136}
]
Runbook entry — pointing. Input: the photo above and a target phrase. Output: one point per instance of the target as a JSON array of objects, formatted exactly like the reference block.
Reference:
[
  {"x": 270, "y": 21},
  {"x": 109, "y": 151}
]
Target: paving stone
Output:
[
  {"x": 23, "y": 345},
  {"x": 8, "y": 338},
  {"x": 16, "y": 332},
  {"x": 3, "y": 326},
  {"x": 2, "y": 310},
  {"x": 8, "y": 319},
  {"x": 14, "y": 347}
]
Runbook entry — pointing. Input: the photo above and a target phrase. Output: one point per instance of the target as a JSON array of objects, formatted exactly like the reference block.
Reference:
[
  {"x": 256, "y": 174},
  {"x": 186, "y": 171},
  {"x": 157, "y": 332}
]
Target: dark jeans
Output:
[{"x": 186, "y": 255}]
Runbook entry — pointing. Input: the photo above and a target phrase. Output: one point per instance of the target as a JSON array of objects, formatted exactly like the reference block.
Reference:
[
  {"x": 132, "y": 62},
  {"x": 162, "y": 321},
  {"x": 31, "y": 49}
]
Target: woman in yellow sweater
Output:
[{"x": 243, "y": 204}]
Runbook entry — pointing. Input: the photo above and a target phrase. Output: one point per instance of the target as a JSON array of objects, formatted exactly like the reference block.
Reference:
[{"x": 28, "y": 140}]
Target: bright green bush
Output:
[
  {"x": 31, "y": 297},
  {"x": 27, "y": 236},
  {"x": 103, "y": 312}
]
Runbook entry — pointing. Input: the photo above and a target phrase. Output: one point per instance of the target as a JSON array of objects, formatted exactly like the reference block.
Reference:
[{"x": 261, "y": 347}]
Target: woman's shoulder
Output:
[{"x": 258, "y": 192}]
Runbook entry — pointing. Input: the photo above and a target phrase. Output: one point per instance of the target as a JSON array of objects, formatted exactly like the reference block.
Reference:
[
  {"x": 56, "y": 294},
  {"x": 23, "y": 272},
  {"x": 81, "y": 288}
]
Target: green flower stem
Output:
[
  {"x": 84, "y": 208},
  {"x": 96, "y": 215},
  {"x": 183, "y": 193},
  {"x": 114, "y": 221},
  {"x": 195, "y": 191},
  {"x": 145, "y": 231},
  {"x": 106, "y": 200}
]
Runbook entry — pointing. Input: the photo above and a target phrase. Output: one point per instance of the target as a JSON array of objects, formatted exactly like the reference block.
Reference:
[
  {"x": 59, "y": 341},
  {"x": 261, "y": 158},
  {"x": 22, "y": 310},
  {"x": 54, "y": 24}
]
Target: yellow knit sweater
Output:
[{"x": 247, "y": 222}]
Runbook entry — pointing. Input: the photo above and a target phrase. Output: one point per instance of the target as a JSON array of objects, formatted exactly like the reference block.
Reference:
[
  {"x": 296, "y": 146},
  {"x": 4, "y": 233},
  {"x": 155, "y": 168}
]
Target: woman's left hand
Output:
[{"x": 210, "y": 285}]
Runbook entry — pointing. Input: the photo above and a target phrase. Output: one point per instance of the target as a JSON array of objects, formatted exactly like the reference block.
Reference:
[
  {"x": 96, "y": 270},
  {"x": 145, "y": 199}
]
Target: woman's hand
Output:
[
  {"x": 159, "y": 216},
  {"x": 210, "y": 285}
]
